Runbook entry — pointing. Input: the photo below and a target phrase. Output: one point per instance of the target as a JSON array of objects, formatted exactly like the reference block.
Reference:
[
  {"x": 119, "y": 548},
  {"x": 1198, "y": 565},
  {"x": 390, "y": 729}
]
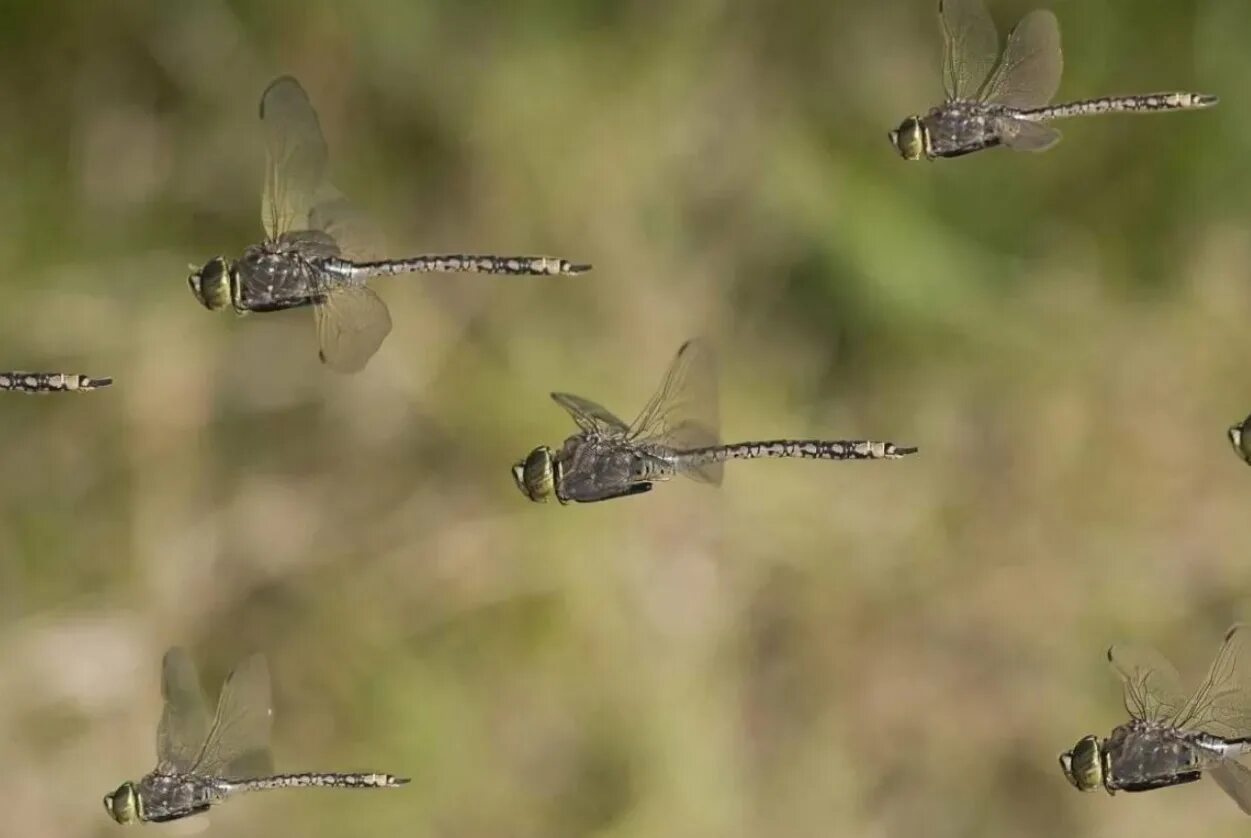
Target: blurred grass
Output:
[{"x": 889, "y": 649}]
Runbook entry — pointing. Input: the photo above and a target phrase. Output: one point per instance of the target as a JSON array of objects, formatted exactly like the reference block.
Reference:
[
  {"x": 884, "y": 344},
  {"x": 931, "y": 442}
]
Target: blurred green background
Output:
[{"x": 873, "y": 649}]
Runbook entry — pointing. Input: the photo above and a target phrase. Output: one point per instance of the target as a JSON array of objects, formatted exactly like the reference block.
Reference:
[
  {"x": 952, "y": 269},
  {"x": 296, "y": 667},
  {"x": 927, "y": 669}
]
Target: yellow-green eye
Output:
[
  {"x": 1241, "y": 440},
  {"x": 911, "y": 139},
  {"x": 1083, "y": 766},
  {"x": 123, "y": 804},
  {"x": 535, "y": 476},
  {"x": 211, "y": 284}
]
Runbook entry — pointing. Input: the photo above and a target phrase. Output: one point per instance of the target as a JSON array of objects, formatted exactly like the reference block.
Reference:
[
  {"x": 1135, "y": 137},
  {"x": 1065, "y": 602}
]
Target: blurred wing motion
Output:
[
  {"x": 185, "y": 719},
  {"x": 591, "y": 417},
  {"x": 1235, "y": 780},
  {"x": 295, "y": 165},
  {"x": 1152, "y": 687},
  {"x": 970, "y": 46},
  {"x": 237, "y": 745},
  {"x": 1027, "y": 135},
  {"x": 683, "y": 414},
  {"x": 351, "y": 324},
  {"x": 1028, "y": 74},
  {"x": 1222, "y": 704}
]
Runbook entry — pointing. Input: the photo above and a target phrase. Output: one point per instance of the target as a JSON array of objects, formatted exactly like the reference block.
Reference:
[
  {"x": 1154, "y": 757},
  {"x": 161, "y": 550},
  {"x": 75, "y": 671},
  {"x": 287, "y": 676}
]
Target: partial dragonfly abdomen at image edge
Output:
[{"x": 50, "y": 382}]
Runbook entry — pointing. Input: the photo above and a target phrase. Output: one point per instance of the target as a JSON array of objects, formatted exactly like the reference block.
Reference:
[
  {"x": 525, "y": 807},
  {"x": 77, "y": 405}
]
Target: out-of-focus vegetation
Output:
[{"x": 815, "y": 649}]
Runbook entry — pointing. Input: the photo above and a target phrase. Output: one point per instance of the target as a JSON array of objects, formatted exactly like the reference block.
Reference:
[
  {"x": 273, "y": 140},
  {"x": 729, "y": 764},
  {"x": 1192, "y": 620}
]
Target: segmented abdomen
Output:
[{"x": 49, "y": 382}]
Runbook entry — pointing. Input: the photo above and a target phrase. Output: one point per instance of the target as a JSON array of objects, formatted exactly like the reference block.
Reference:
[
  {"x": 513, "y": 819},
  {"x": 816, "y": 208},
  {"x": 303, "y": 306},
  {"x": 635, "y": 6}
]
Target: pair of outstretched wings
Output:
[
  {"x": 1025, "y": 75},
  {"x": 352, "y": 322},
  {"x": 233, "y": 743},
  {"x": 681, "y": 415},
  {"x": 1221, "y": 706}
]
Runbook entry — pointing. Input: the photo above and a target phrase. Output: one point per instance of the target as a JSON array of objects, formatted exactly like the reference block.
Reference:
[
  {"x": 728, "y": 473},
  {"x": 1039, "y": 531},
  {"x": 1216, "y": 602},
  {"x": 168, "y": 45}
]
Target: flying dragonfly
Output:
[
  {"x": 1240, "y": 439},
  {"x": 677, "y": 433},
  {"x": 50, "y": 382},
  {"x": 203, "y": 760},
  {"x": 996, "y": 98},
  {"x": 309, "y": 230},
  {"x": 1173, "y": 737}
]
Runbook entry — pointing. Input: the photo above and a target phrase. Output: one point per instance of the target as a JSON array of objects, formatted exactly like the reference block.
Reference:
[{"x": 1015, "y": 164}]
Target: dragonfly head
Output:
[
  {"x": 211, "y": 284},
  {"x": 535, "y": 476},
  {"x": 1083, "y": 765},
  {"x": 123, "y": 804},
  {"x": 911, "y": 139},
  {"x": 1241, "y": 439}
]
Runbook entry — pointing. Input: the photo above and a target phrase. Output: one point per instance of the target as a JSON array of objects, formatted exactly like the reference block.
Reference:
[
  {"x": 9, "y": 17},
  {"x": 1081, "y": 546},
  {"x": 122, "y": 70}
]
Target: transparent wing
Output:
[
  {"x": 1028, "y": 74},
  {"x": 1235, "y": 780},
  {"x": 351, "y": 324},
  {"x": 590, "y": 416},
  {"x": 238, "y": 742},
  {"x": 1152, "y": 687},
  {"x": 1026, "y": 135},
  {"x": 355, "y": 232},
  {"x": 185, "y": 719},
  {"x": 683, "y": 413},
  {"x": 970, "y": 46},
  {"x": 295, "y": 164},
  {"x": 1222, "y": 704}
]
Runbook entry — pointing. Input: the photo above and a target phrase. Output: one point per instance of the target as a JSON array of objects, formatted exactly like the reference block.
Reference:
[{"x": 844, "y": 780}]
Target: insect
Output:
[
  {"x": 1240, "y": 439},
  {"x": 998, "y": 98},
  {"x": 309, "y": 226},
  {"x": 50, "y": 382},
  {"x": 203, "y": 760},
  {"x": 677, "y": 433},
  {"x": 1173, "y": 737}
]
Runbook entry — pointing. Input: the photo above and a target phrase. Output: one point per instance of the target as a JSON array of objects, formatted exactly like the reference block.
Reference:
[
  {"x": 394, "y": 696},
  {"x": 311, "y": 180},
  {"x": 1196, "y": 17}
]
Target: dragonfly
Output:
[
  {"x": 309, "y": 229},
  {"x": 1240, "y": 439},
  {"x": 996, "y": 98},
  {"x": 50, "y": 382},
  {"x": 676, "y": 433},
  {"x": 203, "y": 760},
  {"x": 1173, "y": 737}
]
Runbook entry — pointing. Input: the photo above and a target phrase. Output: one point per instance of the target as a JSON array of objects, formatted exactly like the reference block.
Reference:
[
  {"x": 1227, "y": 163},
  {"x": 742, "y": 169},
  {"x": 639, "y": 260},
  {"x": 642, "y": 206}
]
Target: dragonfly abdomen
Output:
[
  {"x": 321, "y": 780},
  {"x": 49, "y": 382},
  {"x": 469, "y": 263},
  {"x": 1149, "y": 102},
  {"x": 809, "y": 449}
]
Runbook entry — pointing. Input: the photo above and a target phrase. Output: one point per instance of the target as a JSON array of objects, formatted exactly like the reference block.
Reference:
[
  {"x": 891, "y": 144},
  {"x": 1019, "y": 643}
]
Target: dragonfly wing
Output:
[
  {"x": 1026, "y": 134},
  {"x": 1235, "y": 780},
  {"x": 351, "y": 324},
  {"x": 683, "y": 414},
  {"x": 295, "y": 160},
  {"x": 354, "y": 231},
  {"x": 238, "y": 741},
  {"x": 1222, "y": 704},
  {"x": 1152, "y": 687},
  {"x": 590, "y": 416},
  {"x": 185, "y": 718},
  {"x": 970, "y": 46},
  {"x": 1028, "y": 73}
]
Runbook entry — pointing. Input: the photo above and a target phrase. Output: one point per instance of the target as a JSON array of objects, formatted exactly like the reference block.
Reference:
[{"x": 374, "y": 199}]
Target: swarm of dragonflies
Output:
[
  {"x": 202, "y": 760},
  {"x": 1173, "y": 737},
  {"x": 1001, "y": 98},
  {"x": 50, "y": 382},
  {"x": 676, "y": 433},
  {"x": 309, "y": 227}
]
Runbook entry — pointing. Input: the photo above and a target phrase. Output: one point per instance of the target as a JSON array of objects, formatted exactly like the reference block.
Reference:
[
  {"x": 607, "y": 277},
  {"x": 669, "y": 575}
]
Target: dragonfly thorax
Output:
[
  {"x": 123, "y": 805},
  {"x": 212, "y": 283},
  {"x": 911, "y": 139},
  {"x": 1083, "y": 766}
]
